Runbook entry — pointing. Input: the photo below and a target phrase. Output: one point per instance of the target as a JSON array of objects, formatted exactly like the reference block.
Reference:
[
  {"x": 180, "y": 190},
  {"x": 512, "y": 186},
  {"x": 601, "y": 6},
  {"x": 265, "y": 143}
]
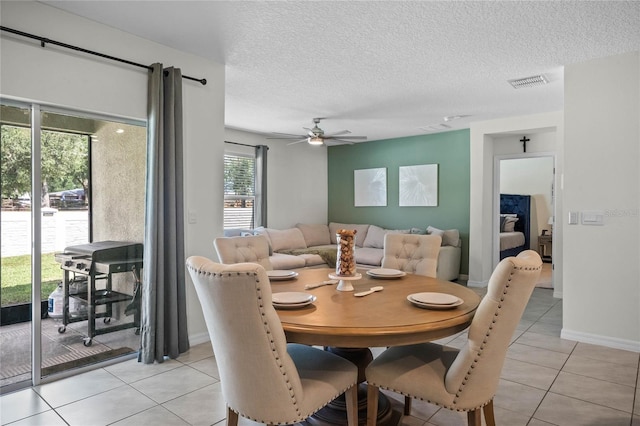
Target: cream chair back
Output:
[
  {"x": 254, "y": 249},
  {"x": 474, "y": 375},
  {"x": 262, "y": 377},
  {"x": 416, "y": 254}
]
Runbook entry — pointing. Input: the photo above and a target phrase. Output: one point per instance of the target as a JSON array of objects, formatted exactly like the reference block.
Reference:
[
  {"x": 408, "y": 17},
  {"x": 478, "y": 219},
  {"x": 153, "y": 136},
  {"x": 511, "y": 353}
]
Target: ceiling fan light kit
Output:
[{"x": 315, "y": 141}]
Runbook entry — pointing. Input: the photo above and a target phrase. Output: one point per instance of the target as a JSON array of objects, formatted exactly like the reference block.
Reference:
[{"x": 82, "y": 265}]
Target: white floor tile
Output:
[
  {"x": 202, "y": 407},
  {"x": 48, "y": 418},
  {"x": 105, "y": 408},
  {"x": 78, "y": 387},
  {"x": 21, "y": 404},
  {"x": 173, "y": 384},
  {"x": 157, "y": 415}
]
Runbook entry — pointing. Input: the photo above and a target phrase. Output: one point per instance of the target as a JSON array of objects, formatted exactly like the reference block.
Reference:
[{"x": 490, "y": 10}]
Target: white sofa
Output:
[{"x": 303, "y": 245}]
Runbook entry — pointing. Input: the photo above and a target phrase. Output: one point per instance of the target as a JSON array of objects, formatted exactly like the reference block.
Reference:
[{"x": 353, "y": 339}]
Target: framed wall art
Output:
[
  {"x": 370, "y": 187},
  {"x": 418, "y": 185}
]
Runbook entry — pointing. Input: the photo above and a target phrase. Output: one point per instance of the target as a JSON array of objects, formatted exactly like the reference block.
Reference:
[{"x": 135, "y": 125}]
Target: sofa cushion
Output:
[
  {"x": 375, "y": 236},
  {"x": 286, "y": 239},
  {"x": 450, "y": 237},
  {"x": 361, "y": 231},
  {"x": 286, "y": 261},
  {"x": 314, "y": 234},
  {"x": 369, "y": 256}
]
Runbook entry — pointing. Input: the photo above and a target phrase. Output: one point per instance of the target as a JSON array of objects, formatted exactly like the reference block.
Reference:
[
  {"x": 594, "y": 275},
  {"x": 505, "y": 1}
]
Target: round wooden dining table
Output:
[{"x": 350, "y": 325}]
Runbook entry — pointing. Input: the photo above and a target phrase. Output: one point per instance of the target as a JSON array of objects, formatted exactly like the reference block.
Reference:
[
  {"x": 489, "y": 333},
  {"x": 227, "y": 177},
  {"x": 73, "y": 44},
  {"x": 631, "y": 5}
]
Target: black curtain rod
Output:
[
  {"x": 243, "y": 144},
  {"x": 44, "y": 40}
]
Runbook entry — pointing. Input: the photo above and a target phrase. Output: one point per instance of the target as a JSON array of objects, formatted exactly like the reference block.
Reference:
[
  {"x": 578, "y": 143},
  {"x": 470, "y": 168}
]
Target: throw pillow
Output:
[
  {"x": 418, "y": 231},
  {"x": 375, "y": 237},
  {"x": 315, "y": 234},
  {"x": 509, "y": 224},
  {"x": 450, "y": 237}
]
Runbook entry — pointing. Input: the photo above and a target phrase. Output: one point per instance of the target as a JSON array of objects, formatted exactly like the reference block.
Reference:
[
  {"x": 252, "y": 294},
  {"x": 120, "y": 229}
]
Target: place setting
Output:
[
  {"x": 281, "y": 275},
  {"x": 431, "y": 300},
  {"x": 292, "y": 299},
  {"x": 386, "y": 273}
]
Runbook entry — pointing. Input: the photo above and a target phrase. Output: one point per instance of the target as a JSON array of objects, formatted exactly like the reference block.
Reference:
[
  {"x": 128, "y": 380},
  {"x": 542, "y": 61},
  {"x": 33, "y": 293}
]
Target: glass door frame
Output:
[{"x": 36, "y": 109}]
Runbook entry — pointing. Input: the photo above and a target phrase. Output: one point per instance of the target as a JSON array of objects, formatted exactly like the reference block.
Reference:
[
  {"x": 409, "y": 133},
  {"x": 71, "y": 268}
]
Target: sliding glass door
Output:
[{"x": 87, "y": 174}]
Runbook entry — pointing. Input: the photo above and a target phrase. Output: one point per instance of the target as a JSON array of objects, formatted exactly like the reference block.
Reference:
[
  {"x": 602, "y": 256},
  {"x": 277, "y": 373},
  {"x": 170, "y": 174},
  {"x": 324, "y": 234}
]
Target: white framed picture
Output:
[
  {"x": 370, "y": 187},
  {"x": 418, "y": 185}
]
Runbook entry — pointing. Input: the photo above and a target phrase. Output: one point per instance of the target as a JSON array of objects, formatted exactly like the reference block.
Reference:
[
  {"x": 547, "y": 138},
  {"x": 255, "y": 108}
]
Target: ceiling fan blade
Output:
[
  {"x": 342, "y": 132},
  {"x": 295, "y": 142},
  {"x": 285, "y": 136},
  {"x": 353, "y": 138}
]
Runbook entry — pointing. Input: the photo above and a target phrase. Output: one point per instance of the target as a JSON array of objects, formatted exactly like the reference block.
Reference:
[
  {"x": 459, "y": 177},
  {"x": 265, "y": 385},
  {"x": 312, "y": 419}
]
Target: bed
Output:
[{"x": 515, "y": 219}]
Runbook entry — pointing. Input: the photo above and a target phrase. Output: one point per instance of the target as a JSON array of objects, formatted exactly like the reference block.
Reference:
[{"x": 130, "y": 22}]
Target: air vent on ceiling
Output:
[
  {"x": 435, "y": 127},
  {"x": 533, "y": 81}
]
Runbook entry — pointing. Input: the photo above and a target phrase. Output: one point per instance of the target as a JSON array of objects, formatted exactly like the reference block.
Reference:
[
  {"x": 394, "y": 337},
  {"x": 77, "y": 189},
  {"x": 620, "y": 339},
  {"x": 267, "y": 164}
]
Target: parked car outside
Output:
[{"x": 70, "y": 198}]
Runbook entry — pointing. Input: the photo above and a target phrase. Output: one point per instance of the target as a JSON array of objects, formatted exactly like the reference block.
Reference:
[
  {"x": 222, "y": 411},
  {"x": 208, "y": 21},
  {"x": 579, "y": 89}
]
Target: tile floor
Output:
[{"x": 545, "y": 381}]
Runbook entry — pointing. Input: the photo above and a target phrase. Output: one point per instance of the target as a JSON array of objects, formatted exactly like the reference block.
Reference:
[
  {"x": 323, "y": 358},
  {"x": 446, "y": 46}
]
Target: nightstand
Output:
[{"x": 545, "y": 247}]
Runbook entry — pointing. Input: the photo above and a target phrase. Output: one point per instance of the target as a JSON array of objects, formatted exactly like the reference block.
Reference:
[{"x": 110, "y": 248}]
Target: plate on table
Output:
[
  {"x": 386, "y": 273},
  {"x": 431, "y": 300},
  {"x": 280, "y": 274},
  {"x": 292, "y": 299}
]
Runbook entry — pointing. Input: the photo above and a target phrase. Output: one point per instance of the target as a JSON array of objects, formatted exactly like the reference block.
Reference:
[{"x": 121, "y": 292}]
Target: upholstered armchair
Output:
[
  {"x": 263, "y": 378},
  {"x": 254, "y": 249},
  {"x": 465, "y": 379},
  {"x": 416, "y": 254}
]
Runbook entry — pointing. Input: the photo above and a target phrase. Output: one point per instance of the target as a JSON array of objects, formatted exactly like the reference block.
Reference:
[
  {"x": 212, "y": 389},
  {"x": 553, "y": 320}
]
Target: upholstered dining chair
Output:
[
  {"x": 465, "y": 379},
  {"x": 253, "y": 248},
  {"x": 263, "y": 378},
  {"x": 416, "y": 254}
]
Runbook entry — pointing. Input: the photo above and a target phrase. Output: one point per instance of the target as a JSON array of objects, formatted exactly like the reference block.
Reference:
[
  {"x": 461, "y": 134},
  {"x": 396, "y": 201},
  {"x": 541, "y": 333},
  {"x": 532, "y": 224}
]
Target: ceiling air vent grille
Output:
[
  {"x": 435, "y": 127},
  {"x": 533, "y": 81}
]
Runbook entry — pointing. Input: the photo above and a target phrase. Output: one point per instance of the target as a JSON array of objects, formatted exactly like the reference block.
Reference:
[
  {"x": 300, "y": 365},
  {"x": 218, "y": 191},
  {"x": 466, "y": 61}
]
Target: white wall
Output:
[
  {"x": 68, "y": 79},
  {"x": 602, "y": 151},
  {"x": 296, "y": 179}
]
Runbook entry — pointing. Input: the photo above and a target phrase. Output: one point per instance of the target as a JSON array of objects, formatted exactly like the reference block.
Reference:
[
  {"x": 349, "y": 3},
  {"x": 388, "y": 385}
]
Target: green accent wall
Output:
[{"x": 450, "y": 150}]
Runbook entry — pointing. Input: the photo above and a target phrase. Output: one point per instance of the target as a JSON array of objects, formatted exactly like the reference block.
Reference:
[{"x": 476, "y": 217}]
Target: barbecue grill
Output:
[{"x": 97, "y": 262}]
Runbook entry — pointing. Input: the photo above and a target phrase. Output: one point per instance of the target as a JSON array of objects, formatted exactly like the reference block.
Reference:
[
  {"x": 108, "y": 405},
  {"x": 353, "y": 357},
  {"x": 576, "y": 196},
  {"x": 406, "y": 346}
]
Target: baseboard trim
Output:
[
  {"x": 477, "y": 283},
  {"x": 557, "y": 294},
  {"x": 196, "y": 339},
  {"x": 594, "y": 339}
]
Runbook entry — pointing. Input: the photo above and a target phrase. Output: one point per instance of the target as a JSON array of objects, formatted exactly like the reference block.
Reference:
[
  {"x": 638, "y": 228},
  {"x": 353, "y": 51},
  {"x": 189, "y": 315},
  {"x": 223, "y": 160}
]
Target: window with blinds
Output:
[{"x": 239, "y": 191}]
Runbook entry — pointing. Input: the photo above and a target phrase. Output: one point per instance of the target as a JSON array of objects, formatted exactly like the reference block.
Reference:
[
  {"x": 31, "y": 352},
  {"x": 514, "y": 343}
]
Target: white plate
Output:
[
  {"x": 435, "y": 298},
  {"x": 289, "y": 297},
  {"x": 302, "y": 304},
  {"x": 385, "y": 273},
  {"x": 434, "y": 305},
  {"x": 277, "y": 275}
]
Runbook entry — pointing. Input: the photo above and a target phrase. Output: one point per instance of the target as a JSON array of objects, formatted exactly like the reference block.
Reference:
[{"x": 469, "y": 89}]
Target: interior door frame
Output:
[{"x": 496, "y": 195}]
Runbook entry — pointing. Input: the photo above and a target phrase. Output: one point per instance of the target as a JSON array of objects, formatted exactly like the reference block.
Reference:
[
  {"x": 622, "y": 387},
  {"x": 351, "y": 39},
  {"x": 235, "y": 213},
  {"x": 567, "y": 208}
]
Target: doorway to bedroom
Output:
[{"x": 533, "y": 176}]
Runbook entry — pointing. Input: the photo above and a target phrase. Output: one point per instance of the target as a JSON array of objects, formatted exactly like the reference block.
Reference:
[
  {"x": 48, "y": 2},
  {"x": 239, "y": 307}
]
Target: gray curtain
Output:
[
  {"x": 261, "y": 185},
  {"x": 164, "y": 312}
]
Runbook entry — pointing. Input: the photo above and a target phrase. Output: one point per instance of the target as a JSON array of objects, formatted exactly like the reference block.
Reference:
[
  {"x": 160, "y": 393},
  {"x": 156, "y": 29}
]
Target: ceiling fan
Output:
[{"x": 316, "y": 136}]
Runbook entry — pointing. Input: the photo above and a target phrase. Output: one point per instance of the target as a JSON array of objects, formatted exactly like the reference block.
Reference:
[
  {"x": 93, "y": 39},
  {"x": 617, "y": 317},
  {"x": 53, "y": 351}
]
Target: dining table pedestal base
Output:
[{"x": 335, "y": 413}]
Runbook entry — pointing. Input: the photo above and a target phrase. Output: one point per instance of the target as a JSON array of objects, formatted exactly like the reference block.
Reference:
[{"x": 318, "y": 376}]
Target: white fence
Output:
[{"x": 64, "y": 228}]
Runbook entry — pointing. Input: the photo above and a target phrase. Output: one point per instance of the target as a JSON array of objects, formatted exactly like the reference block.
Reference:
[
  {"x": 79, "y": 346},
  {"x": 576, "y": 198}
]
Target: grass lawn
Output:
[{"x": 15, "y": 273}]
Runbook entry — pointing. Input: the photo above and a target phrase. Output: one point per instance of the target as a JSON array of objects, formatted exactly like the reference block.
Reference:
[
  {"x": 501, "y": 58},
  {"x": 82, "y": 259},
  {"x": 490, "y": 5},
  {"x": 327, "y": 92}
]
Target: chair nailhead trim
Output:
[{"x": 484, "y": 344}]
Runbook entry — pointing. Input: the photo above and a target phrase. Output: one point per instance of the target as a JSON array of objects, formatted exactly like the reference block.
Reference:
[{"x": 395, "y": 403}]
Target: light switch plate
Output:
[
  {"x": 573, "y": 218},
  {"x": 593, "y": 217}
]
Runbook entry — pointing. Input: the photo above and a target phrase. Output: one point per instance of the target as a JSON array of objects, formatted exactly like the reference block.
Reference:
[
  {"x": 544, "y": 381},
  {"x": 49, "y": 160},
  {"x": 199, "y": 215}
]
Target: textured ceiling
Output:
[{"x": 384, "y": 68}]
